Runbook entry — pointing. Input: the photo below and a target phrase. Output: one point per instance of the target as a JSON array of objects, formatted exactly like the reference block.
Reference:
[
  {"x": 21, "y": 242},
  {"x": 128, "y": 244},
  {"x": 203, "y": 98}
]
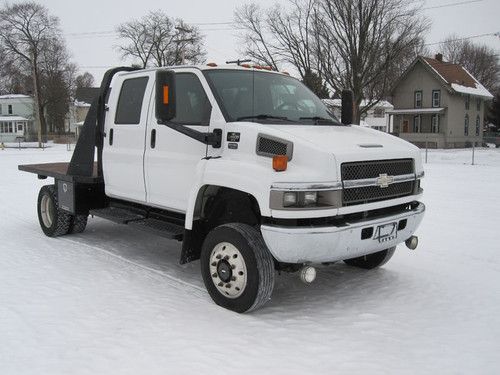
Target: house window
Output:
[
  {"x": 10, "y": 109},
  {"x": 0, "y": 109},
  {"x": 478, "y": 125},
  {"x": 478, "y": 104},
  {"x": 436, "y": 98},
  {"x": 418, "y": 99},
  {"x": 435, "y": 123},
  {"x": 467, "y": 101},
  {"x": 466, "y": 125},
  {"x": 416, "y": 124},
  {"x": 379, "y": 112},
  {"x": 19, "y": 127}
]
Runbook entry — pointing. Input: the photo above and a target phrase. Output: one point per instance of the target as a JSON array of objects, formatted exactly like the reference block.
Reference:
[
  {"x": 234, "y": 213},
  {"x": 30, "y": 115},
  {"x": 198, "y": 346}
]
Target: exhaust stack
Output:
[
  {"x": 308, "y": 274},
  {"x": 412, "y": 242}
]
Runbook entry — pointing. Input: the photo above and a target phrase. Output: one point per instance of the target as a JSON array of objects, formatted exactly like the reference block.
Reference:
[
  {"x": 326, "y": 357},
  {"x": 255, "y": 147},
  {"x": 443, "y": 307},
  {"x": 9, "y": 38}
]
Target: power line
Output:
[
  {"x": 453, "y": 4},
  {"x": 464, "y": 38}
]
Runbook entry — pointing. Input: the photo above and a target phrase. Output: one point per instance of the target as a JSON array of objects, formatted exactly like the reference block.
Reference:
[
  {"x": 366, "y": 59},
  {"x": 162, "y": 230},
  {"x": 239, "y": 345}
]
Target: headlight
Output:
[{"x": 293, "y": 200}]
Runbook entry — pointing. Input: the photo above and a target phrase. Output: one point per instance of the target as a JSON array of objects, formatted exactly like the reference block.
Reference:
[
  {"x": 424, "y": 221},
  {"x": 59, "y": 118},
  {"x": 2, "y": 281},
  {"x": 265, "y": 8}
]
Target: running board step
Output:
[
  {"x": 117, "y": 214},
  {"x": 159, "y": 227}
]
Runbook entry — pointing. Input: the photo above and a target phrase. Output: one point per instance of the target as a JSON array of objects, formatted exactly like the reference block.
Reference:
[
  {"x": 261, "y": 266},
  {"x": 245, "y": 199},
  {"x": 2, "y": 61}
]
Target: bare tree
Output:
[
  {"x": 355, "y": 44},
  {"x": 256, "y": 40},
  {"x": 360, "y": 42},
  {"x": 481, "y": 61},
  {"x": 158, "y": 40},
  {"x": 84, "y": 80},
  {"x": 26, "y": 29}
]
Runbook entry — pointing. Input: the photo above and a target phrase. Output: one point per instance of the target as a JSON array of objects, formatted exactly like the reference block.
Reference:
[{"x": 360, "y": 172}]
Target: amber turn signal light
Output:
[
  {"x": 280, "y": 162},
  {"x": 165, "y": 94}
]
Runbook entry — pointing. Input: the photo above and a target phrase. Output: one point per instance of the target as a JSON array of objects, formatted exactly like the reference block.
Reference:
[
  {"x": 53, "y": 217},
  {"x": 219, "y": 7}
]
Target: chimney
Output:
[{"x": 439, "y": 57}]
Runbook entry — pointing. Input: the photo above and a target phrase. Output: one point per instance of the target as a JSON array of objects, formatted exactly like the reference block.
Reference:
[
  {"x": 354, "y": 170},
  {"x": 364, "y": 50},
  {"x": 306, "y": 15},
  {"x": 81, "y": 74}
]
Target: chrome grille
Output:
[
  {"x": 374, "y": 169},
  {"x": 367, "y": 194}
]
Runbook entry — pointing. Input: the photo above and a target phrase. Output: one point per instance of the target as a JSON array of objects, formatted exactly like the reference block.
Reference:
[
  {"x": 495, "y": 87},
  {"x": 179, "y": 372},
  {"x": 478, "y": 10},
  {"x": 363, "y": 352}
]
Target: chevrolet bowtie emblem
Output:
[{"x": 384, "y": 180}]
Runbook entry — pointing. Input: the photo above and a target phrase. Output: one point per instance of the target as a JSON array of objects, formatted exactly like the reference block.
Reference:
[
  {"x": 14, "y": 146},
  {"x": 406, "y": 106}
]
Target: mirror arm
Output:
[{"x": 213, "y": 139}]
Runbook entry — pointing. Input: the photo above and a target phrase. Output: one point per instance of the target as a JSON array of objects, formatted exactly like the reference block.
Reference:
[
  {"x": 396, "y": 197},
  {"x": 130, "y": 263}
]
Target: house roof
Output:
[
  {"x": 338, "y": 103},
  {"x": 454, "y": 76},
  {"x": 415, "y": 111},
  {"x": 86, "y": 95},
  {"x": 14, "y": 96}
]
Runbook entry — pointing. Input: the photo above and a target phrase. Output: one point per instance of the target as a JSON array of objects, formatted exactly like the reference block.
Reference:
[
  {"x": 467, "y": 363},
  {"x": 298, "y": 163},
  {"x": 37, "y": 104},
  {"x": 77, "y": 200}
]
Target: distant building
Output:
[
  {"x": 376, "y": 117},
  {"x": 16, "y": 117},
  {"x": 440, "y": 103},
  {"x": 84, "y": 97}
]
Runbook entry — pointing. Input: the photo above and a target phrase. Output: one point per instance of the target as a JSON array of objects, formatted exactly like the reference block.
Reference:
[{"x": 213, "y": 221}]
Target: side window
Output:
[
  {"x": 192, "y": 104},
  {"x": 467, "y": 101},
  {"x": 129, "y": 106},
  {"x": 418, "y": 99},
  {"x": 9, "y": 109},
  {"x": 436, "y": 98},
  {"x": 466, "y": 125}
]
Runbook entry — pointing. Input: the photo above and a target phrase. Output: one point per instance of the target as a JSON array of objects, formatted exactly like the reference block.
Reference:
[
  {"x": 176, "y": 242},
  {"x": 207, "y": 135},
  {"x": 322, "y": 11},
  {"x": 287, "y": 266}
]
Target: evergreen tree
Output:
[{"x": 316, "y": 84}]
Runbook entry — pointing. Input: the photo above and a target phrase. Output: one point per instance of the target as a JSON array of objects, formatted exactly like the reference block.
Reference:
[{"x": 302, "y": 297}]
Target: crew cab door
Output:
[
  {"x": 123, "y": 151},
  {"x": 171, "y": 157}
]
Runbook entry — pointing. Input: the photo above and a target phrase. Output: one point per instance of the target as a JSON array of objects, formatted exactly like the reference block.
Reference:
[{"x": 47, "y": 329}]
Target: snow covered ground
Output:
[{"x": 116, "y": 301}]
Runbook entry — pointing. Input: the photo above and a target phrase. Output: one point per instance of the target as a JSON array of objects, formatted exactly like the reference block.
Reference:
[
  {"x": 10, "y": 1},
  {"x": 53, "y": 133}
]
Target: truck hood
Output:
[{"x": 349, "y": 142}]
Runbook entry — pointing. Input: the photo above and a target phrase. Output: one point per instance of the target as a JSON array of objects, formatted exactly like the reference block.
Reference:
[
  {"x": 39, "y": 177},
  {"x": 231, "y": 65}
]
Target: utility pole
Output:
[{"x": 184, "y": 40}]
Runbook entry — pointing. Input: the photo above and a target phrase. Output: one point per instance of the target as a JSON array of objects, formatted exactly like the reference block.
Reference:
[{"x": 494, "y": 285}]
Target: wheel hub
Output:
[
  {"x": 228, "y": 270},
  {"x": 224, "y": 270}
]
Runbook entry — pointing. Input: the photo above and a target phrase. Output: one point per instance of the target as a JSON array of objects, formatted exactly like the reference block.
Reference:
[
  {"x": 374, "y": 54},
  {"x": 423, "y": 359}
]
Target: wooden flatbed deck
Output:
[{"x": 59, "y": 172}]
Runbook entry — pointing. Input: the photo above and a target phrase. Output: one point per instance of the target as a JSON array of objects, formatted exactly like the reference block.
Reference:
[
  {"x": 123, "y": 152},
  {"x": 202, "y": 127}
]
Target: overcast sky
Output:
[{"x": 95, "y": 52}]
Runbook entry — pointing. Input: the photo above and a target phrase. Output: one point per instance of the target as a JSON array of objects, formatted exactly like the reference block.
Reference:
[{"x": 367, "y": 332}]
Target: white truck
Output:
[{"x": 245, "y": 166}]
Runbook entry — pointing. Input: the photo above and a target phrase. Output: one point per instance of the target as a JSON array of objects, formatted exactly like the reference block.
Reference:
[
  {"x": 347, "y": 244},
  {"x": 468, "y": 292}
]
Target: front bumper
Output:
[{"x": 330, "y": 244}]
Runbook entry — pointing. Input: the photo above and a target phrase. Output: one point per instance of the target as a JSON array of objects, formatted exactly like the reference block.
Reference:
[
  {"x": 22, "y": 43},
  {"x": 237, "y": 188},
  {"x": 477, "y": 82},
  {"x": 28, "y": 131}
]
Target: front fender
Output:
[{"x": 233, "y": 174}]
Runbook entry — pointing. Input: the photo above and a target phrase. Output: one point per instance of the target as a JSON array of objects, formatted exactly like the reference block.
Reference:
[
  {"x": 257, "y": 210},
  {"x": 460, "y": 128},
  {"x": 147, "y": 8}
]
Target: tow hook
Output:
[
  {"x": 308, "y": 274},
  {"x": 412, "y": 242}
]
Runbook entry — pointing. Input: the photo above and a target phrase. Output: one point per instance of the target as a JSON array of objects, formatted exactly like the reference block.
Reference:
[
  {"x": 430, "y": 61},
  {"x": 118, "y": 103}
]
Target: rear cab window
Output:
[{"x": 129, "y": 107}]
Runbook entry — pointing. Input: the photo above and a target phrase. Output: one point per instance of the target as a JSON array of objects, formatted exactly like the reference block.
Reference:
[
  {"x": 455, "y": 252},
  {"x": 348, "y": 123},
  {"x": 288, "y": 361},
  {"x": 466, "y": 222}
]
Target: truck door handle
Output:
[
  {"x": 110, "y": 137},
  {"x": 153, "y": 138}
]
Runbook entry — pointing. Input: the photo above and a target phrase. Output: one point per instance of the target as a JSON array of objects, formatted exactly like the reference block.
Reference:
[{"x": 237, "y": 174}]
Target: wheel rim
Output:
[
  {"x": 228, "y": 270},
  {"x": 47, "y": 211}
]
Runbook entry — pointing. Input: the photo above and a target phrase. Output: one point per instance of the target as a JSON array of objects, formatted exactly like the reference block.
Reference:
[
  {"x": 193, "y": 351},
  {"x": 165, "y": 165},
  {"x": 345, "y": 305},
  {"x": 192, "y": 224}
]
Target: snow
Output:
[
  {"x": 338, "y": 103},
  {"x": 115, "y": 301},
  {"x": 479, "y": 90},
  {"x": 14, "y": 96}
]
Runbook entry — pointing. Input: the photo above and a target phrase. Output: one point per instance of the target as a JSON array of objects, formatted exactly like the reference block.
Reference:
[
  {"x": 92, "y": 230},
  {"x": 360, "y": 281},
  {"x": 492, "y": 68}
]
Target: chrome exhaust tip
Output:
[
  {"x": 412, "y": 242},
  {"x": 307, "y": 274}
]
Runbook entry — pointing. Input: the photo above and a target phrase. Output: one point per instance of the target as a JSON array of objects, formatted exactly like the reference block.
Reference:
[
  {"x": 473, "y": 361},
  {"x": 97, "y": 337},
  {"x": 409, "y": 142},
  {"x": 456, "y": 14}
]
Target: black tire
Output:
[
  {"x": 78, "y": 224},
  {"x": 257, "y": 259},
  {"x": 54, "y": 221},
  {"x": 371, "y": 261}
]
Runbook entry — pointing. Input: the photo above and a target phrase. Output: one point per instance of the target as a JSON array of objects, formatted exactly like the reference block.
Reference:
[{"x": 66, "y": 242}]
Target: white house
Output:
[
  {"x": 16, "y": 117},
  {"x": 375, "y": 118}
]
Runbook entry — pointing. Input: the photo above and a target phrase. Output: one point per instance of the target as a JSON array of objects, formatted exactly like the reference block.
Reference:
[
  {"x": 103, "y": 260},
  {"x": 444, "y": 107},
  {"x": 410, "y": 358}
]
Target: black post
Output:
[{"x": 347, "y": 107}]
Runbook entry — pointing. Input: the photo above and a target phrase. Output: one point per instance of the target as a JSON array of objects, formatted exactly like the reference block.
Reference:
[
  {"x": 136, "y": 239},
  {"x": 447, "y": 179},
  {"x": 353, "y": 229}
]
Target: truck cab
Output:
[{"x": 252, "y": 173}]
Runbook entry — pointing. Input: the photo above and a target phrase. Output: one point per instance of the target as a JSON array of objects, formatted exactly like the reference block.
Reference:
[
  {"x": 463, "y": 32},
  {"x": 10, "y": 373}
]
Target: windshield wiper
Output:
[
  {"x": 317, "y": 119},
  {"x": 263, "y": 117}
]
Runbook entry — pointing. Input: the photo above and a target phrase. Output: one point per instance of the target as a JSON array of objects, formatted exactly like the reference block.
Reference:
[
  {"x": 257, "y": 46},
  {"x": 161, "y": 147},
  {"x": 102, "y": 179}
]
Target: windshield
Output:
[{"x": 267, "y": 97}]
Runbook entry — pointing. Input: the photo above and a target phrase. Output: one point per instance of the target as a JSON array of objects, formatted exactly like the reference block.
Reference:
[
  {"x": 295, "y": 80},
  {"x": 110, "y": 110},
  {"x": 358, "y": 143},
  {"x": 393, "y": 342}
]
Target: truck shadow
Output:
[{"x": 337, "y": 286}]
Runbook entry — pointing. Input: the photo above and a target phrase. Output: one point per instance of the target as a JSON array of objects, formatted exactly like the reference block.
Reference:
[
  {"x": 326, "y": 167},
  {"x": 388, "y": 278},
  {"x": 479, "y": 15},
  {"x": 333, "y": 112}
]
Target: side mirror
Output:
[
  {"x": 165, "y": 95},
  {"x": 347, "y": 107}
]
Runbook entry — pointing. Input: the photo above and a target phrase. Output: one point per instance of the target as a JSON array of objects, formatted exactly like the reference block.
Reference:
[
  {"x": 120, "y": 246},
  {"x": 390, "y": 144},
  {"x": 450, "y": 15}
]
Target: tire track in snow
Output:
[
  {"x": 200, "y": 292},
  {"x": 141, "y": 266}
]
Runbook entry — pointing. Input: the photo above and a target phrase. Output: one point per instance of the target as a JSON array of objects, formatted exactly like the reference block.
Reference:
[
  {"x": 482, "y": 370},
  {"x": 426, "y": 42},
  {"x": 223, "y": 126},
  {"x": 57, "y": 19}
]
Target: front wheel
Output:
[
  {"x": 371, "y": 261},
  {"x": 237, "y": 268}
]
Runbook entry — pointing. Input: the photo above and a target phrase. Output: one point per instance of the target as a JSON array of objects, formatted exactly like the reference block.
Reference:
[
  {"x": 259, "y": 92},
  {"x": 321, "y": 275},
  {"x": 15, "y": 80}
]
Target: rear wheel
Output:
[
  {"x": 54, "y": 221},
  {"x": 78, "y": 224},
  {"x": 371, "y": 261},
  {"x": 237, "y": 268}
]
